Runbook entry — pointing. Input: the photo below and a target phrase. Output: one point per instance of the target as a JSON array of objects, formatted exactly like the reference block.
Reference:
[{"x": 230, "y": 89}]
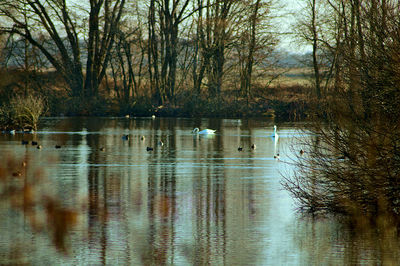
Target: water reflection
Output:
[{"x": 194, "y": 200}]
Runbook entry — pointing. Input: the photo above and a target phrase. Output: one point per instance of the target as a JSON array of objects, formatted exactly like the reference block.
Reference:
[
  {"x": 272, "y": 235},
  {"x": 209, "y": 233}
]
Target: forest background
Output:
[{"x": 219, "y": 58}]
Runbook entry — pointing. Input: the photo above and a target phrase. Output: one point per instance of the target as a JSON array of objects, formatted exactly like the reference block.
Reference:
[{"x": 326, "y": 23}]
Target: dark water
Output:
[{"x": 194, "y": 200}]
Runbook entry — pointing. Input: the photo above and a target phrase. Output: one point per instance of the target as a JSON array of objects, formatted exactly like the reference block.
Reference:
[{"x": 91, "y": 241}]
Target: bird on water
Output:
[
  {"x": 204, "y": 131},
  {"x": 275, "y": 135}
]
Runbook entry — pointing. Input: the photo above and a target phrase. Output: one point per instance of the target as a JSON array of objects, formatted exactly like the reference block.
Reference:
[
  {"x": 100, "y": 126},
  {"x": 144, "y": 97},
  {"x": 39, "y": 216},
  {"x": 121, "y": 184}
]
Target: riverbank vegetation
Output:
[
  {"x": 352, "y": 166},
  {"x": 170, "y": 58},
  {"x": 283, "y": 100},
  {"x": 21, "y": 113}
]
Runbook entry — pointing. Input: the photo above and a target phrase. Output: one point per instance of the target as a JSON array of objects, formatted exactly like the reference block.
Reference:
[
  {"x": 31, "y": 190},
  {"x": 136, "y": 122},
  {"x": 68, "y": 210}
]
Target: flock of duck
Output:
[
  {"x": 208, "y": 131},
  {"x": 196, "y": 131},
  {"x": 35, "y": 143}
]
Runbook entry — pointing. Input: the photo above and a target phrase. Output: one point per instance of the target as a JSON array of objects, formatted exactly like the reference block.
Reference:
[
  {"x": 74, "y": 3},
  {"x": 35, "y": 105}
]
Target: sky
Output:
[{"x": 290, "y": 10}]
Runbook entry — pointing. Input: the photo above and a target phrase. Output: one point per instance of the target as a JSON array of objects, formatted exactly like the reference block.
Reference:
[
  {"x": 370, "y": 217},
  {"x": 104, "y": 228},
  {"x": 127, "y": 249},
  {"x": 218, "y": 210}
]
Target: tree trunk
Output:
[{"x": 315, "y": 50}]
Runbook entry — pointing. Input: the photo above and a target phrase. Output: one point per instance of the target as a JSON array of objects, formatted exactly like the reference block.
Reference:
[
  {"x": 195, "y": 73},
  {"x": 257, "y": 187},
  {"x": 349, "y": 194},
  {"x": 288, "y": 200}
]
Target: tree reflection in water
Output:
[
  {"x": 190, "y": 201},
  {"x": 25, "y": 193},
  {"x": 360, "y": 243}
]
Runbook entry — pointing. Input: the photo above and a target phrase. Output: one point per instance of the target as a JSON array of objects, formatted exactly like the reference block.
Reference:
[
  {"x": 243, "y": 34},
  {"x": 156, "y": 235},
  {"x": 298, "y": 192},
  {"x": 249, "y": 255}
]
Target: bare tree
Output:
[
  {"x": 59, "y": 23},
  {"x": 127, "y": 63},
  {"x": 215, "y": 25},
  {"x": 218, "y": 33},
  {"x": 315, "y": 48},
  {"x": 355, "y": 167},
  {"x": 164, "y": 17},
  {"x": 100, "y": 43},
  {"x": 255, "y": 42},
  {"x": 201, "y": 58},
  {"x": 152, "y": 54},
  {"x": 308, "y": 30}
]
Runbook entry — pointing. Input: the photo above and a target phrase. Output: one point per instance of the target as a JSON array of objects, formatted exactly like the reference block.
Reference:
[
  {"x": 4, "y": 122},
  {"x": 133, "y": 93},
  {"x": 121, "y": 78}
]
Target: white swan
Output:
[
  {"x": 204, "y": 131},
  {"x": 275, "y": 135}
]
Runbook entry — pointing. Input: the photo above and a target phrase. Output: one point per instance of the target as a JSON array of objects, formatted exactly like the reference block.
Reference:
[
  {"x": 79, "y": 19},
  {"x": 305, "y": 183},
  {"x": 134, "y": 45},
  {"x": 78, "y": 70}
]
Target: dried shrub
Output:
[
  {"x": 22, "y": 112},
  {"x": 352, "y": 165}
]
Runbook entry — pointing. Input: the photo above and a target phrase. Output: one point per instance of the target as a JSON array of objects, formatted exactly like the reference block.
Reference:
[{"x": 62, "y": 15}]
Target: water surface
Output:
[{"x": 194, "y": 200}]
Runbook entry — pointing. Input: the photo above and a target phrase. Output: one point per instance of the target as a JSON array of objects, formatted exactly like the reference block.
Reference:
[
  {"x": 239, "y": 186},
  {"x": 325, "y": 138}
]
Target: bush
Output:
[
  {"x": 22, "y": 112},
  {"x": 352, "y": 165}
]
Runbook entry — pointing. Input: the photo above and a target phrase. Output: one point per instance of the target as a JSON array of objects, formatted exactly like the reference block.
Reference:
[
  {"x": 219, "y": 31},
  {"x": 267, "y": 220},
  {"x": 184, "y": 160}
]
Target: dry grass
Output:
[
  {"x": 281, "y": 89},
  {"x": 291, "y": 77}
]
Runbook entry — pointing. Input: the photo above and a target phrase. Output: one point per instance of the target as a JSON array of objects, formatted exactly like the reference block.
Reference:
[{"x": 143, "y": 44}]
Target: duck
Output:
[
  {"x": 102, "y": 149},
  {"x": 301, "y": 152},
  {"x": 142, "y": 138},
  {"x": 28, "y": 131},
  {"x": 160, "y": 143},
  {"x": 34, "y": 143},
  {"x": 24, "y": 142},
  {"x": 39, "y": 147},
  {"x": 58, "y": 146},
  {"x": 125, "y": 137},
  {"x": 276, "y": 156},
  {"x": 149, "y": 149},
  {"x": 16, "y": 174},
  {"x": 204, "y": 131},
  {"x": 253, "y": 146},
  {"x": 240, "y": 148}
]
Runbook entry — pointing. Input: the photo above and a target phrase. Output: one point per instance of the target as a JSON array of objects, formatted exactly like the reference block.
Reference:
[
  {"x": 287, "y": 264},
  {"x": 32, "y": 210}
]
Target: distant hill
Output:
[{"x": 290, "y": 59}]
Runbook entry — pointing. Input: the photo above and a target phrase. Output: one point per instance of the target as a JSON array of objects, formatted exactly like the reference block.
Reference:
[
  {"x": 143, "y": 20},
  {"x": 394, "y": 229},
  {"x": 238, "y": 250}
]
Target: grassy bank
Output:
[
  {"x": 283, "y": 99},
  {"x": 286, "y": 103}
]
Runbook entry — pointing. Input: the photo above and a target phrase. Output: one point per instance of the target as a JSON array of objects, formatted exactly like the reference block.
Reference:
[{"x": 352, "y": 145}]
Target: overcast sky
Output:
[{"x": 292, "y": 9}]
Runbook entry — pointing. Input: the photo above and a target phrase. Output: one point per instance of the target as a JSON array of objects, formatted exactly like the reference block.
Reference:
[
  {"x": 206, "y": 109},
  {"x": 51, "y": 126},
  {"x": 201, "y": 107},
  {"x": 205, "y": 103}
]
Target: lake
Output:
[{"x": 195, "y": 200}]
